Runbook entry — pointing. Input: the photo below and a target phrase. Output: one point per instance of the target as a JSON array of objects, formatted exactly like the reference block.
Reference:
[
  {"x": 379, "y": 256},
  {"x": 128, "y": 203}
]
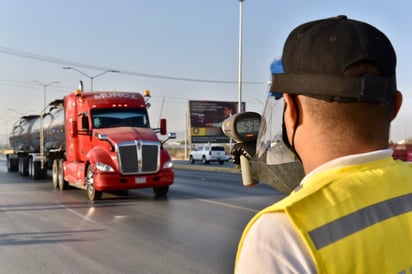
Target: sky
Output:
[{"x": 179, "y": 50}]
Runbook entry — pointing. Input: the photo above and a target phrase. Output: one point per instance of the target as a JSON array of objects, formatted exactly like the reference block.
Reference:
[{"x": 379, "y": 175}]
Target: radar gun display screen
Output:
[{"x": 242, "y": 127}]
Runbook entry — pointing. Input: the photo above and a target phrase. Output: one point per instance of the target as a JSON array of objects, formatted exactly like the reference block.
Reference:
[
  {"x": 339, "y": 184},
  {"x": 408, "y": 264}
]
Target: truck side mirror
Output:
[
  {"x": 163, "y": 126},
  {"x": 171, "y": 135},
  {"x": 73, "y": 128}
]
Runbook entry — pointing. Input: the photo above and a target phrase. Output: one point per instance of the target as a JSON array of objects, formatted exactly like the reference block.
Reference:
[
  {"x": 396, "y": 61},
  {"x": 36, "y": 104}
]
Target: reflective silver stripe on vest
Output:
[{"x": 361, "y": 219}]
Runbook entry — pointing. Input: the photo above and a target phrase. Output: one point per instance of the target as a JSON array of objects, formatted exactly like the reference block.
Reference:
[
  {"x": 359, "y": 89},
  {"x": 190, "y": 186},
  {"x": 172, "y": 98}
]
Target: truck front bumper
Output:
[{"x": 114, "y": 182}]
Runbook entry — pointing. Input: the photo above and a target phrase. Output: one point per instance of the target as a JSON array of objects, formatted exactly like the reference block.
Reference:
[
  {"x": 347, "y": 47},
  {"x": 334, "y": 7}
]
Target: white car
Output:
[{"x": 209, "y": 153}]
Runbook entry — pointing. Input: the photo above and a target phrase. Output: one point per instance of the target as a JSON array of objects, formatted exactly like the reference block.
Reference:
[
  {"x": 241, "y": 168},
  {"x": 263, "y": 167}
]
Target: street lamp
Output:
[
  {"x": 91, "y": 77},
  {"x": 45, "y": 87},
  {"x": 240, "y": 57}
]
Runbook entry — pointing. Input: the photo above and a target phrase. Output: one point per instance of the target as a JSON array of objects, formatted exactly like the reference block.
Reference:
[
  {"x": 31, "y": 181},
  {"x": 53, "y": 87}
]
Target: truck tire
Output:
[
  {"x": 161, "y": 191},
  {"x": 62, "y": 183},
  {"x": 12, "y": 164},
  {"x": 221, "y": 162},
  {"x": 29, "y": 171},
  {"x": 192, "y": 161},
  {"x": 55, "y": 173},
  {"x": 31, "y": 168},
  {"x": 92, "y": 193},
  {"x": 35, "y": 171},
  {"x": 23, "y": 166},
  {"x": 204, "y": 161}
]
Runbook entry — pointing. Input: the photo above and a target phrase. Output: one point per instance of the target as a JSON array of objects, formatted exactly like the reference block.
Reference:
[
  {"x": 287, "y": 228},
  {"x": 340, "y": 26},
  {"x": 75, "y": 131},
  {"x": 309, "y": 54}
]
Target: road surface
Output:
[{"x": 194, "y": 230}]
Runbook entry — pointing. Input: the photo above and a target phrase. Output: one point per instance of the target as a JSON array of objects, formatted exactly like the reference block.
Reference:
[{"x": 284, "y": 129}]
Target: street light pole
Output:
[
  {"x": 240, "y": 57},
  {"x": 91, "y": 77},
  {"x": 44, "y": 90}
]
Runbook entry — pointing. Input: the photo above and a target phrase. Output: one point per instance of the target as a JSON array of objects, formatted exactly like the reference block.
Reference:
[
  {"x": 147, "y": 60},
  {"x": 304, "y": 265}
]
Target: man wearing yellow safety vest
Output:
[{"x": 352, "y": 212}]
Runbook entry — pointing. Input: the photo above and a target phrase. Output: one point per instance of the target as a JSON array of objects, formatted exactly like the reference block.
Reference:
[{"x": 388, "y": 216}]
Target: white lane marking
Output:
[{"x": 226, "y": 205}]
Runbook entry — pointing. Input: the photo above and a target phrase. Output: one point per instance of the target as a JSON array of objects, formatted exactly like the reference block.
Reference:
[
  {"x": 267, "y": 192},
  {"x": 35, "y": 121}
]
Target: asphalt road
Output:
[{"x": 194, "y": 230}]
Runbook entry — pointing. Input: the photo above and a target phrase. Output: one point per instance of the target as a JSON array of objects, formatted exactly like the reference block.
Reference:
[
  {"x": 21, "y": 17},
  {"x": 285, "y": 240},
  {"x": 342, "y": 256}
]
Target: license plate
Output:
[{"x": 140, "y": 180}]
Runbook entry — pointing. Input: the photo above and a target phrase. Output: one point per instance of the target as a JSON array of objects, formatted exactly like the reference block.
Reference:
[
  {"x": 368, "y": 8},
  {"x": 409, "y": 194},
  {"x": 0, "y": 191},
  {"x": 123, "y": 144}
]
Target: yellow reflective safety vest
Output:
[{"x": 354, "y": 219}]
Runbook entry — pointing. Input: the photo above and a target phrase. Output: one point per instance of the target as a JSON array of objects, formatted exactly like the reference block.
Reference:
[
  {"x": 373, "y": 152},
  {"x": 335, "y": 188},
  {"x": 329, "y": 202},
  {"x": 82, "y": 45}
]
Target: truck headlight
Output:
[
  {"x": 168, "y": 164},
  {"x": 104, "y": 167}
]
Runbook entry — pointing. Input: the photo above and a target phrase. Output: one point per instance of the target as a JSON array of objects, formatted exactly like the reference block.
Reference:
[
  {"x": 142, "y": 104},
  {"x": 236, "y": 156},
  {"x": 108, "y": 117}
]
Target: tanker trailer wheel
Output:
[
  {"x": 55, "y": 173},
  {"x": 92, "y": 193},
  {"x": 35, "y": 171},
  {"x": 62, "y": 183},
  {"x": 12, "y": 164},
  {"x": 23, "y": 166},
  {"x": 160, "y": 191},
  {"x": 31, "y": 171}
]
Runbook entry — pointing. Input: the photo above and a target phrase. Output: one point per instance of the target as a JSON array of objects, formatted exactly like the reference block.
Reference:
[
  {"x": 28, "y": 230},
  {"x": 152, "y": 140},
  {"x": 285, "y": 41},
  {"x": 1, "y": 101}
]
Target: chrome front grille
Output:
[{"x": 138, "y": 157}]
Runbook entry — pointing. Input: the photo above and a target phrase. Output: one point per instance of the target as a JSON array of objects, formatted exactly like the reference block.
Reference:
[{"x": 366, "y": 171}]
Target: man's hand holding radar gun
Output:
[
  {"x": 262, "y": 149},
  {"x": 243, "y": 128}
]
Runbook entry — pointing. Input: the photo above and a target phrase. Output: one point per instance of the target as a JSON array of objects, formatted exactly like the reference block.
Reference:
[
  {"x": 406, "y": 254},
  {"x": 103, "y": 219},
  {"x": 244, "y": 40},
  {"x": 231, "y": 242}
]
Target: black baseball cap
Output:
[{"x": 317, "y": 53}]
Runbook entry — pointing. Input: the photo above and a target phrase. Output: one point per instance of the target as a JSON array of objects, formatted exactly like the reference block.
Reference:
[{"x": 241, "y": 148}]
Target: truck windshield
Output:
[{"x": 105, "y": 118}]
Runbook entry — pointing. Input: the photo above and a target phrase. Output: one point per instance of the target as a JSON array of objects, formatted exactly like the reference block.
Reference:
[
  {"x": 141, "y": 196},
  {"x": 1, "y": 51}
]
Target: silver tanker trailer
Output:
[{"x": 36, "y": 141}]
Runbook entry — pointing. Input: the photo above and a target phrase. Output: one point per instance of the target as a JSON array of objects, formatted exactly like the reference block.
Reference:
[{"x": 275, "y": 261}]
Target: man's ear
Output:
[
  {"x": 290, "y": 113},
  {"x": 290, "y": 107},
  {"x": 397, "y": 104}
]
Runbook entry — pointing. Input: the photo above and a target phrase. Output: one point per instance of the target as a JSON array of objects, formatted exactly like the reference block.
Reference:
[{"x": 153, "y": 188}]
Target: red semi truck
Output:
[
  {"x": 96, "y": 141},
  {"x": 402, "y": 152}
]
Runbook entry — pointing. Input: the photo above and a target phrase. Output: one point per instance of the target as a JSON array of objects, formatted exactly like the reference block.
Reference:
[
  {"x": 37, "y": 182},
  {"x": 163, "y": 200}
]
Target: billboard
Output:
[{"x": 206, "y": 119}]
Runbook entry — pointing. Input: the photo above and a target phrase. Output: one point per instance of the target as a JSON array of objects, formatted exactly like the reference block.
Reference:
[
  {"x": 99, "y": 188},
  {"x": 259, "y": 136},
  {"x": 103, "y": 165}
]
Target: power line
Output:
[
  {"x": 44, "y": 58},
  {"x": 29, "y": 85},
  {"x": 29, "y": 55}
]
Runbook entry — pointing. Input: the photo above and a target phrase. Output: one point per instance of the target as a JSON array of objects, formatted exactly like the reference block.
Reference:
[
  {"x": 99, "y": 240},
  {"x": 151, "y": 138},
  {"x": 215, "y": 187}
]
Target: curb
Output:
[{"x": 207, "y": 168}]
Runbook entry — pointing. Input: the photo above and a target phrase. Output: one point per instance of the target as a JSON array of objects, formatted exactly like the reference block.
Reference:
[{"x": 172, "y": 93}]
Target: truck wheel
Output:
[
  {"x": 204, "y": 161},
  {"x": 92, "y": 193},
  {"x": 160, "y": 191},
  {"x": 62, "y": 183},
  {"x": 31, "y": 168},
  {"x": 23, "y": 166},
  {"x": 221, "y": 162},
  {"x": 192, "y": 161},
  {"x": 55, "y": 173},
  {"x": 20, "y": 168},
  {"x": 39, "y": 173},
  {"x": 12, "y": 164},
  {"x": 9, "y": 164},
  {"x": 35, "y": 171}
]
